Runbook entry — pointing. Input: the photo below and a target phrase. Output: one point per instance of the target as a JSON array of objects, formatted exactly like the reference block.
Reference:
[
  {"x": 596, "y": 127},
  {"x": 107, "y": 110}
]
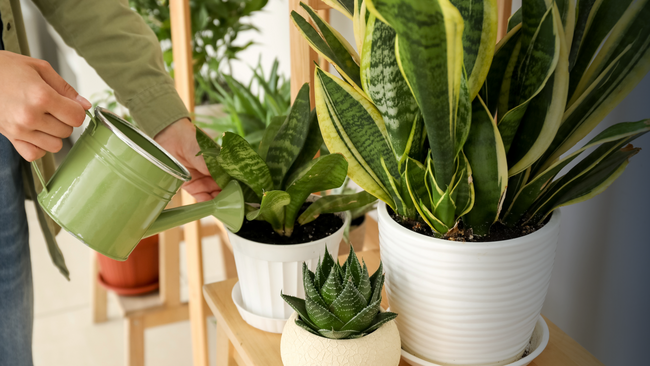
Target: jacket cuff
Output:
[{"x": 156, "y": 108}]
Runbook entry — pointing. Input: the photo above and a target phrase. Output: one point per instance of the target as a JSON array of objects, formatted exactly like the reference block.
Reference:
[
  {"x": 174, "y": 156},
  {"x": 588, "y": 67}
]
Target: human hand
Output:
[
  {"x": 179, "y": 139},
  {"x": 37, "y": 107}
]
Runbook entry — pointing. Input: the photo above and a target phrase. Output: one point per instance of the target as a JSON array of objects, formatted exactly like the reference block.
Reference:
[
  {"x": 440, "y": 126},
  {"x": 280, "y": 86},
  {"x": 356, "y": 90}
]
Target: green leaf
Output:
[
  {"x": 352, "y": 126},
  {"x": 380, "y": 319},
  {"x": 335, "y": 203},
  {"x": 323, "y": 173},
  {"x": 463, "y": 193},
  {"x": 430, "y": 52},
  {"x": 337, "y": 334},
  {"x": 365, "y": 288},
  {"x": 415, "y": 182},
  {"x": 327, "y": 263},
  {"x": 311, "y": 146},
  {"x": 348, "y": 304},
  {"x": 310, "y": 287},
  {"x": 487, "y": 158},
  {"x": 269, "y": 135},
  {"x": 299, "y": 305},
  {"x": 353, "y": 269},
  {"x": 332, "y": 287},
  {"x": 479, "y": 39},
  {"x": 514, "y": 20},
  {"x": 377, "y": 281},
  {"x": 322, "y": 317},
  {"x": 384, "y": 84},
  {"x": 249, "y": 102},
  {"x": 290, "y": 138},
  {"x": 242, "y": 163},
  {"x": 210, "y": 150},
  {"x": 305, "y": 326},
  {"x": 272, "y": 209},
  {"x": 364, "y": 318},
  {"x": 346, "y": 7}
]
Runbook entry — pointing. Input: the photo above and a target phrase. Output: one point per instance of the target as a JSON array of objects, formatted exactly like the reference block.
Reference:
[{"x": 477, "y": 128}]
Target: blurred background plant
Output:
[{"x": 215, "y": 27}]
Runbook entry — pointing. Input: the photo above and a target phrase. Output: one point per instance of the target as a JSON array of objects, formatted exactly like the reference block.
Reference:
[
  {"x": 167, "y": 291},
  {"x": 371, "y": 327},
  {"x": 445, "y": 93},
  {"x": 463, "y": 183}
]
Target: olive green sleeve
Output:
[{"x": 118, "y": 44}]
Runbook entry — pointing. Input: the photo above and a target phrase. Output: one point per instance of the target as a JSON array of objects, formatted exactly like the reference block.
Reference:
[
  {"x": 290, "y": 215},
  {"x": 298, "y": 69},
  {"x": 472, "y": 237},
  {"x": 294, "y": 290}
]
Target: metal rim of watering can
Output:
[{"x": 183, "y": 174}]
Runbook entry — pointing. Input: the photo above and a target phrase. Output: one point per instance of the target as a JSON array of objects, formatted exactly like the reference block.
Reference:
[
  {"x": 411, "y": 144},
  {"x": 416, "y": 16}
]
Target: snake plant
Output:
[
  {"x": 341, "y": 302},
  {"x": 446, "y": 126},
  {"x": 282, "y": 173}
]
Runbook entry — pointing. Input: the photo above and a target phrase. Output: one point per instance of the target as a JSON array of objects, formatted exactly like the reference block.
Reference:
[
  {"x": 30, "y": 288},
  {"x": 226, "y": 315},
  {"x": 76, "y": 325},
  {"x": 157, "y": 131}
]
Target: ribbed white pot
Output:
[
  {"x": 466, "y": 303},
  {"x": 266, "y": 269},
  {"x": 298, "y": 347}
]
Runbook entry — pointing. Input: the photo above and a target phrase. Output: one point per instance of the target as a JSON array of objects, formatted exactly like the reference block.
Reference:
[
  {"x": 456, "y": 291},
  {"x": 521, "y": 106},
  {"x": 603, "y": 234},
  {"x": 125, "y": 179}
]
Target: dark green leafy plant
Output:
[
  {"x": 340, "y": 301},
  {"x": 415, "y": 113},
  {"x": 282, "y": 173},
  {"x": 250, "y": 108}
]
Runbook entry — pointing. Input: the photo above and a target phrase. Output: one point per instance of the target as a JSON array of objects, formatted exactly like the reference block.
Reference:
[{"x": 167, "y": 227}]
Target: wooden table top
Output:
[{"x": 258, "y": 348}]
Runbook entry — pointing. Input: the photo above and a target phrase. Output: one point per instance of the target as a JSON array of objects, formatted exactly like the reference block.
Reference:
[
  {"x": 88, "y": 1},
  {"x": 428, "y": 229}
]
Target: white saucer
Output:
[
  {"x": 538, "y": 342},
  {"x": 271, "y": 325}
]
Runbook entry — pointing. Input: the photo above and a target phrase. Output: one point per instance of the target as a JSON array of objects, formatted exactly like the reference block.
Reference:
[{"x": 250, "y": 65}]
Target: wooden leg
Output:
[
  {"x": 225, "y": 349},
  {"x": 198, "y": 311},
  {"x": 134, "y": 341},
  {"x": 98, "y": 299},
  {"x": 228, "y": 261}
]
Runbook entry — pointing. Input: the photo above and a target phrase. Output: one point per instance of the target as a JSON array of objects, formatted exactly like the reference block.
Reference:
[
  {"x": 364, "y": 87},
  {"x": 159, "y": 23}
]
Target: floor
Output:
[{"x": 63, "y": 332}]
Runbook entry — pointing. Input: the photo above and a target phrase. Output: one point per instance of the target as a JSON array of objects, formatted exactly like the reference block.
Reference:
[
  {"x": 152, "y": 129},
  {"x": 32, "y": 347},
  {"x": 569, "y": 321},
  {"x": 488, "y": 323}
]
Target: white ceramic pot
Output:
[
  {"x": 298, "y": 347},
  {"x": 466, "y": 303},
  {"x": 266, "y": 269}
]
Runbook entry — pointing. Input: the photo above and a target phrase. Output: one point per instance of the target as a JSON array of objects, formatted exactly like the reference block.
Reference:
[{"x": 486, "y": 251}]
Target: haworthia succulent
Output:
[
  {"x": 241, "y": 162},
  {"x": 486, "y": 155},
  {"x": 290, "y": 138}
]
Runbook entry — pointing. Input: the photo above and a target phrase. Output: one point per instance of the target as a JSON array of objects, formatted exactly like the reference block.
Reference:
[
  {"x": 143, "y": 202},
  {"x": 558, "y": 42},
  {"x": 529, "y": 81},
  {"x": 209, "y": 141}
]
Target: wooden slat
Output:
[
  {"x": 179, "y": 11},
  {"x": 170, "y": 240},
  {"x": 98, "y": 298},
  {"x": 302, "y": 56},
  {"x": 134, "y": 331},
  {"x": 504, "y": 11}
]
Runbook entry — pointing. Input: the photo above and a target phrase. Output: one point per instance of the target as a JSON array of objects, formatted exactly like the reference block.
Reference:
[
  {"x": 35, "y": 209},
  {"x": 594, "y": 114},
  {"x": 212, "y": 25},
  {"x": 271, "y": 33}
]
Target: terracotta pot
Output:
[{"x": 134, "y": 276}]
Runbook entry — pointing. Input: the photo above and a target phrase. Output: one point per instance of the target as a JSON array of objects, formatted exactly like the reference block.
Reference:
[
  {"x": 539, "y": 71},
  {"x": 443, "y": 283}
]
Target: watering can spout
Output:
[{"x": 228, "y": 207}]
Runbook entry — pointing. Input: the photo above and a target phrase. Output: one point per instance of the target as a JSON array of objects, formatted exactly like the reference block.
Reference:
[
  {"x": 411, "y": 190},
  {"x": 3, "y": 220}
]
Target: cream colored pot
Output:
[{"x": 301, "y": 348}]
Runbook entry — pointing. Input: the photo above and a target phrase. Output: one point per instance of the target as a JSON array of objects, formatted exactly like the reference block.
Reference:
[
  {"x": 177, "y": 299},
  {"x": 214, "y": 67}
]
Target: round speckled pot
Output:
[{"x": 301, "y": 348}]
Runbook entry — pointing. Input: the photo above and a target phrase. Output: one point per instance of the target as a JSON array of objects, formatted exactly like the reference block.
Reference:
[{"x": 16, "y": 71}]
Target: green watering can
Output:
[{"x": 112, "y": 188}]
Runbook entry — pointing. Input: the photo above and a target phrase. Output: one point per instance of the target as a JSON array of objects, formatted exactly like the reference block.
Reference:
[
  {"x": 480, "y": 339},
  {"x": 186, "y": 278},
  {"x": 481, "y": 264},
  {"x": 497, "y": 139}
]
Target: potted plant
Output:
[
  {"x": 415, "y": 120},
  {"x": 340, "y": 320},
  {"x": 137, "y": 275},
  {"x": 282, "y": 228}
]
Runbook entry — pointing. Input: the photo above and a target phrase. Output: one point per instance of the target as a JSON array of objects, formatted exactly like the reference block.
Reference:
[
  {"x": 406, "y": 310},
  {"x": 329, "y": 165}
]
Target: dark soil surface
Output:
[
  {"x": 497, "y": 232},
  {"x": 262, "y": 232}
]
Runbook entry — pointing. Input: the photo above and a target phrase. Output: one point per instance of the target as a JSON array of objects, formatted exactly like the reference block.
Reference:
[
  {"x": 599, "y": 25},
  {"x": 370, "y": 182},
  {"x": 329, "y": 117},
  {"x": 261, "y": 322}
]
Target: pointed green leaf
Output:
[
  {"x": 269, "y": 135},
  {"x": 322, "y": 317},
  {"x": 514, "y": 20},
  {"x": 346, "y": 7},
  {"x": 210, "y": 150},
  {"x": 272, "y": 209},
  {"x": 380, "y": 319},
  {"x": 415, "y": 179},
  {"x": 290, "y": 138},
  {"x": 337, "y": 334},
  {"x": 365, "y": 288},
  {"x": 463, "y": 193},
  {"x": 353, "y": 269},
  {"x": 305, "y": 326},
  {"x": 332, "y": 287},
  {"x": 300, "y": 307},
  {"x": 335, "y": 203},
  {"x": 327, "y": 263},
  {"x": 348, "y": 304},
  {"x": 364, "y": 318},
  {"x": 505, "y": 57},
  {"x": 311, "y": 146},
  {"x": 239, "y": 160},
  {"x": 377, "y": 286},
  {"x": 487, "y": 158},
  {"x": 310, "y": 287}
]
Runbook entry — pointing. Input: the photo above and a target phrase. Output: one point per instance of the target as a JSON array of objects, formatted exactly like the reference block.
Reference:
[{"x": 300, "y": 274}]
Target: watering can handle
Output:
[{"x": 40, "y": 175}]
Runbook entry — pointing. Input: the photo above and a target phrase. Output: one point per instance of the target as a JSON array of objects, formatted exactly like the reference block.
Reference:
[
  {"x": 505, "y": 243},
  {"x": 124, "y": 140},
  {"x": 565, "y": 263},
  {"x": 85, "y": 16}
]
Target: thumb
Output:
[{"x": 57, "y": 83}]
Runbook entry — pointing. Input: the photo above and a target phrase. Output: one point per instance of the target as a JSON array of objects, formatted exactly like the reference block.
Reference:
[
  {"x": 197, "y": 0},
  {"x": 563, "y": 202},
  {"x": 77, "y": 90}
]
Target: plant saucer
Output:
[
  {"x": 538, "y": 342},
  {"x": 271, "y": 325}
]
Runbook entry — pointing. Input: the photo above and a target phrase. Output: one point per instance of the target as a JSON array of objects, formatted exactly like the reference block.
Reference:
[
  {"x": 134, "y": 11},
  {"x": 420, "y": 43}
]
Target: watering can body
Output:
[{"x": 112, "y": 188}]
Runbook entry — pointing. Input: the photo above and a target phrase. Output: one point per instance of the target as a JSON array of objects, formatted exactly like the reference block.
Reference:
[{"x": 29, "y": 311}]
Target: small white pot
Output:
[
  {"x": 298, "y": 347},
  {"x": 466, "y": 303},
  {"x": 266, "y": 269}
]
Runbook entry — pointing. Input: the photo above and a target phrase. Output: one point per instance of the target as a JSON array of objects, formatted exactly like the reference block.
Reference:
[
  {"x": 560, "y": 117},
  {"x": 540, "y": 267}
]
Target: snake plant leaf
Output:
[
  {"x": 337, "y": 334},
  {"x": 348, "y": 304},
  {"x": 272, "y": 209},
  {"x": 322, "y": 317},
  {"x": 479, "y": 39},
  {"x": 332, "y": 46},
  {"x": 415, "y": 146},
  {"x": 303, "y": 325},
  {"x": 463, "y": 192},
  {"x": 380, "y": 319},
  {"x": 269, "y": 134},
  {"x": 534, "y": 67},
  {"x": 586, "y": 185},
  {"x": 290, "y": 138},
  {"x": 516, "y": 183},
  {"x": 335, "y": 203},
  {"x": 241, "y": 162},
  {"x": 332, "y": 287},
  {"x": 365, "y": 288},
  {"x": 415, "y": 176},
  {"x": 503, "y": 64},
  {"x": 543, "y": 116},
  {"x": 514, "y": 20},
  {"x": 352, "y": 126},
  {"x": 310, "y": 288},
  {"x": 300, "y": 306},
  {"x": 364, "y": 318},
  {"x": 323, "y": 173},
  {"x": 487, "y": 158},
  {"x": 628, "y": 60},
  {"x": 312, "y": 145},
  {"x": 210, "y": 150},
  {"x": 463, "y": 116},
  {"x": 595, "y": 22},
  {"x": 384, "y": 84},
  {"x": 430, "y": 54},
  {"x": 346, "y": 7},
  {"x": 359, "y": 22}
]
